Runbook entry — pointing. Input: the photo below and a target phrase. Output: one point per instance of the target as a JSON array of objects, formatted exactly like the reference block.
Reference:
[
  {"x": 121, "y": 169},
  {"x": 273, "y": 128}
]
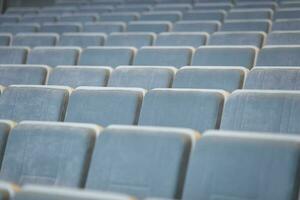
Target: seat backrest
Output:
[
  {"x": 196, "y": 26},
  {"x": 120, "y": 17},
  {"x": 19, "y": 28},
  {"x": 286, "y": 25},
  {"x": 82, "y": 18},
  {"x": 82, "y": 40},
  {"x": 5, "y": 39},
  {"x": 104, "y": 27},
  {"x": 39, "y": 19},
  {"x": 35, "y": 39},
  {"x": 13, "y": 55},
  {"x": 149, "y": 26},
  {"x": 287, "y": 13},
  {"x": 171, "y": 16},
  {"x": 9, "y": 18},
  {"x": 190, "y": 108},
  {"x": 192, "y": 15},
  {"x": 150, "y": 174},
  {"x": 246, "y": 25},
  {"x": 61, "y": 27},
  {"x": 136, "y": 40},
  {"x": 226, "y": 6},
  {"x": 283, "y": 38},
  {"x": 248, "y": 14}
]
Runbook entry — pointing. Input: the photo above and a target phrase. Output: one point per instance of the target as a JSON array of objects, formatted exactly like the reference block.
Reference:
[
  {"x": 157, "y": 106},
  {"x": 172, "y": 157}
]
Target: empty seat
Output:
[
  {"x": 105, "y": 106},
  {"x": 82, "y": 40},
  {"x": 35, "y": 39},
  {"x": 104, "y": 27},
  {"x": 132, "y": 8},
  {"x": 53, "y": 56},
  {"x": 266, "y": 111},
  {"x": 238, "y": 38},
  {"x": 225, "y": 56},
  {"x": 173, "y": 7},
  {"x": 213, "y": 6},
  {"x": 130, "y": 39},
  {"x": 279, "y": 56},
  {"x": 99, "y": 9},
  {"x": 107, "y": 56},
  {"x": 5, "y": 39},
  {"x": 5, "y": 127},
  {"x": 283, "y": 38},
  {"x": 60, "y": 28},
  {"x": 189, "y": 108},
  {"x": 50, "y": 155},
  {"x": 23, "y": 74},
  {"x": 151, "y": 174},
  {"x": 82, "y": 18},
  {"x": 193, "y": 39},
  {"x": 204, "y": 15},
  {"x": 287, "y": 13},
  {"x": 39, "y": 19},
  {"x": 244, "y": 159},
  {"x": 286, "y": 25},
  {"x": 256, "y": 5},
  {"x": 146, "y": 77},
  {"x": 225, "y": 78},
  {"x": 123, "y": 16},
  {"x": 13, "y": 55},
  {"x": 247, "y": 25},
  {"x": 171, "y": 16},
  {"x": 249, "y": 14},
  {"x": 147, "y": 26},
  {"x": 273, "y": 78},
  {"x": 9, "y": 19},
  {"x": 289, "y": 4},
  {"x": 27, "y": 102},
  {"x": 164, "y": 56},
  {"x": 196, "y": 26},
  {"x": 75, "y": 76},
  {"x": 19, "y": 28}
]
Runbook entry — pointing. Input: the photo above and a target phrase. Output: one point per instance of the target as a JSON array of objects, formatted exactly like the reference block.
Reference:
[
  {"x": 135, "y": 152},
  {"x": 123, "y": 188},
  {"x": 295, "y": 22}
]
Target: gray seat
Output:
[
  {"x": 260, "y": 110},
  {"x": 249, "y": 14},
  {"x": 190, "y": 108},
  {"x": 225, "y": 56},
  {"x": 225, "y": 78},
  {"x": 283, "y": 38},
  {"x": 146, "y": 77},
  {"x": 286, "y": 25},
  {"x": 164, "y": 56},
  {"x": 151, "y": 174},
  {"x": 132, "y": 8},
  {"x": 130, "y": 39},
  {"x": 28, "y": 102},
  {"x": 238, "y": 38},
  {"x": 75, "y": 76},
  {"x": 49, "y": 159},
  {"x": 287, "y": 13},
  {"x": 119, "y": 17},
  {"x": 107, "y": 56},
  {"x": 105, "y": 106},
  {"x": 256, "y": 5},
  {"x": 53, "y": 56},
  {"x": 273, "y": 78},
  {"x": 104, "y": 27},
  {"x": 193, "y": 39},
  {"x": 149, "y": 26},
  {"x": 246, "y": 25},
  {"x": 35, "y": 39},
  {"x": 5, "y": 128},
  {"x": 23, "y": 74},
  {"x": 39, "y": 19},
  {"x": 95, "y": 8},
  {"x": 13, "y": 55},
  {"x": 9, "y": 19},
  {"x": 82, "y": 40},
  {"x": 5, "y": 39},
  {"x": 19, "y": 28},
  {"x": 82, "y": 18},
  {"x": 226, "y": 6},
  {"x": 244, "y": 159},
  {"x": 192, "y": 15},
  {"x": 279, "y": 56},
  {"x": 171, "y": 16},
  {"x": 196, "y": 26},
  {"x": 61, "y": 27},
  {"x": 173, "y": 7}
]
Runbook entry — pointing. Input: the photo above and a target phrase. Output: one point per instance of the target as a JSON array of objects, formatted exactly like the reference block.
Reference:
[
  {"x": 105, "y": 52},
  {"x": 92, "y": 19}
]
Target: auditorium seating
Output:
[
  {"x": 82, "y": 18},
  {"x": 213, "y": 6},
  {"x": 19, "y": 28},
  {"x": 246, "y": 25},
  {"x": 130, "y": 39},
  {"x": 122, "y": 16},
  {"x": 287, "y": 13},
  {"x": 149, "y": 26},
  {"x": 82, "y": 40},
  {"x": 193, "y": 39},
  {"x": 104, "y": 27},
  {"x": 244, "y": 14},
  {"x": 208, "y": 26},
  {"x": 61, "y": 27},
  {"x": 283, "y": 38},
  {"x": 35, "y": 39},
  {"x": 204, "y": 15},
  {"x": 171, "y": 16},
  {"x": 286, "y": 25},
  {"x": 13, "y": 55},
  {"x": 39, "y": 19}
]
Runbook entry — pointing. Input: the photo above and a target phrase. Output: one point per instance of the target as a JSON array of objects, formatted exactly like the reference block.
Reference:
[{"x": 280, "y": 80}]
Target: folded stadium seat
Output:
[
  {"x": 247, "y": 25},
  {"x": 256, "y": 5},
  {"x": 255, "y": 164},
  {"x": 120, "y": 16},
  {"x": 149, "y": 26},
  {"x": 38, "y": 192},
  {"x": 19, "y": 28},
  {"x": 164, "y": 56},
  {"x": 171, "y": 16},
  {"x": 196, "y": 26},
  {"x": 225, "y": 78},
  {"x": 104, "y": 27},
  {"x": 287, "y": 13},
  {"x": 75, "y": 76},
  {"x": 213, "y": 6},
  {"x": 61, "y": 27},
  {"x": 279, "y": 56},
  {"x": 5, "y": 39},
  {"x": 55, "y": 163},
  {"x": 82, "y": 40},
  {"x": 9, "y": 19},
  {"x": 146, "y": 77},
  {"x": 249, "y": 14},
  {"x": 286, "y": 25},
  {"x": 13, "y": 55},
  {"x": 193, "y": 39},
  {"x": 35, "y": 39},
  {"x": 53, "y": 56},
  {"x": 144, "y": 172},
  {"x": 243, "y": 56},
  {"x": 273, "y": 111},
  {"x": 23, "y": 74},
  {"x": 132, "y": 8},
  {"x": 38, "y": 19},
  {"x": 173, "y": 7},
  {"x": 105, "y": 106},
  {"x": 193, "y": 15},
  {"x": 32, "y": 102},
  {"x": 273, "y": 78},
  {"x": 238, "y": 38},
  {"x": 82, "y": 18},
  {"x": 283, "y": 38},
  {"x": 136, "y": 40}
]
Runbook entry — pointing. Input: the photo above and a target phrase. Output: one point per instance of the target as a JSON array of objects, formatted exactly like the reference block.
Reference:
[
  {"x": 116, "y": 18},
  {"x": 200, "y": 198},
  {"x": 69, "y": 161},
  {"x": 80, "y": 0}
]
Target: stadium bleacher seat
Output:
[
  {"x": 283, "y": 38},
  {"x": 104, "y": 27},
  {"x": 82, "y": 18},
  {"x": 39, "y": 19},
  {"x": 5, "y": 39},
  {"x": 224, "y": 78},
  {"x": 149, "y": 26},
  {"x": 35, "y": 39},
  {"x": 31, "y": 102},
  {"x": 75, "y": 76},
  {"x": 164, "y": 107},
  {"x": 246, "y": 25},
  {"x": 132, "y": 8},
  {"x": 192, "y": 15},
  {"x": 146, "y": 77},
  {"x": 249, "y": 14},
  {"x": 19, "y": 28},
  {"x": 256, "y": 5},
  {"x": 136, "y": 40},
  {"x": 107, "y": 56},
  {"x": 287, "y": 13},
  {"x": 105, "y": 106},
  {"x": 82, "y": 40},
  {"x": 196, "y": 26},
  {"x": 13, "y": 55},
  {"x": 172, "y": 7},
  {"x": 213, "y": 6},
  {"x": 54, "y": 164},
  {"x": 53, "y": 56},
  {"x": 123, "y": 16},
  {"x": 9, "y": 19},
  {"x": 171, "y": 16},
  {"x": 286, "y": 25},
  {"x": 61, "y": 27}
]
